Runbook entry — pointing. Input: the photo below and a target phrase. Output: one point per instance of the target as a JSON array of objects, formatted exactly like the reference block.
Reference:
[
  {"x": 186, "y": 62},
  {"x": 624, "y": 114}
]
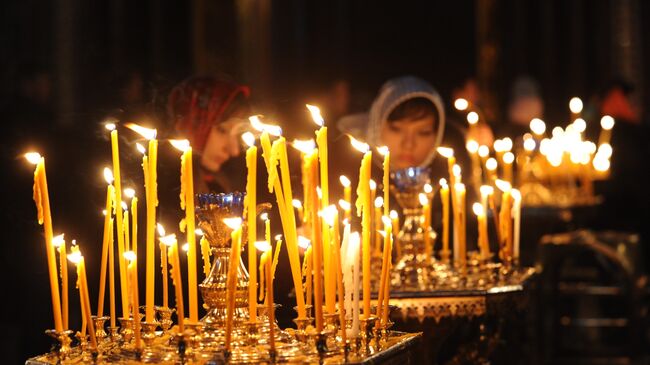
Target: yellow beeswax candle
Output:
[
  {"x": 42, "y": 200},
  {"x": 110, "y": 193},
  {"x": 426, "y": 213},
  {"x": 385, "y": 180},
  {"x": 175, "y": 272},
  {"x": 133, "y": 274},
  {"x": 317, "y": 243},
  {"x": 111, "y": 273},
  {"x": 444, "y": 198},
  {"x": 231, "y": 286},
  {"x": 385, "y": 262},
  {"x": 205, "y": 253},
  {"x": 250, "y": 203},
  {"x": 394, "y": 217},
  {"x": 59, "y": 243},
  {"x": 82, "y": 284},
  {"x": 152, "y": 203}
]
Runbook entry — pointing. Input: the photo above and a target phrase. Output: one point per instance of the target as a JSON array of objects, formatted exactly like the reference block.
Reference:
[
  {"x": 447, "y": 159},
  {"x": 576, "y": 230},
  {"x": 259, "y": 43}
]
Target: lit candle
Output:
[
  {"x": 448, "y": 153},
  {"x": 205, "y": 253},
  {"x": 505, "y": 218},
  {"x": 131, "y": 257},
  {"x": 575, "y": 105},
  {"x": 298, "y": 205},
  {"x": 305, "y": 147},
  {"x": 250, "y": 203},
  {"x": 316, "y": 239},
  {"x": 187, "y": 204},
  {"x": 508, "y": 159},
  {"x": 426, "y": 212},
  {"x": 347, "y": 194},
  {"x": 270, "y": 306},
  {"x": 363, "y": 206},
  {"x": 385, "y": 263},
  {"x": 231, "y": 286},
  {"x": 491, "y": 169},
  {"x": 472, "y": 147},
  {"x": 174, "y": 260},
  {"x": 308, "y": 263},
  {"x": 164, "y": 242},
  {"x": 444, "y": 198},
  {"x": 516, "y": 215},
  {"x": 111, "y": 272},
  {"x": 394, "y": 217},
  {"x": 130, "y": 193},
  {"x": 482, "y": 243},
  {"x": 110, "y": 195},
  {"x": 538, "y": 127},
  {"x": 119, "y": 218},
  {"x": 606, "y": 125},
  {"x": 42, "y": 200},
  {"x": 59, "y": 243},
  {"x": 76, "y": 257},
  {"x": 385, "y": 180},
  {"x": 152, "y": 202},
  {"x": 376, "y": 246},
  {"x": 353, "y": 254},
  {"x": 460, "y": 255}
]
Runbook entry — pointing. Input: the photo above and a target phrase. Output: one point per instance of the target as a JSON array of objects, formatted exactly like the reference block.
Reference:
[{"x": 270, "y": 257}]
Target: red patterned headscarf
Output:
[{"x": 199, "y": 103}]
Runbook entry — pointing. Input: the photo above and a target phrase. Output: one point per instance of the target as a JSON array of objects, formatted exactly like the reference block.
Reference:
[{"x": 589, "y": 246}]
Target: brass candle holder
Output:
[
  {"x": 126, "y": 329},
  {"x": 164, "y": 315},
  {"x": 100, "y": 332},
  {"x": 61, "y": 348}
]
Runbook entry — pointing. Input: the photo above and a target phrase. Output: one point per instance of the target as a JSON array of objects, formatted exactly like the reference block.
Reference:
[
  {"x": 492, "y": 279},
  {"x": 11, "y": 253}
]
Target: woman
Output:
[{"x": 211, "y": 112}]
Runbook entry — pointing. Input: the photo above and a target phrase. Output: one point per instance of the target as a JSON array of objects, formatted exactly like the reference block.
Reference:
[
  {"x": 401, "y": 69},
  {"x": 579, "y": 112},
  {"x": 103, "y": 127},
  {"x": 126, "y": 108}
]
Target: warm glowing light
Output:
[
  {"x": 461, "y": 104},
  {"x": 130, "y": 255},
  {"x": 502, "y": 185},
  {"x": 372, "y": 184},
  {"x": 386, "y": 220},
  {"x": 277, "y": 237},
  {"x": 537, "y": 126},
  {"x": 296, "y": 203},
  {"x": 491, "y": 164},
  {"x": 579, "y": 125},
  {"x": 516, "y": 194},
  {"x": 379, "y": 202},
  {"x": 601, "y": 164},
  {"x": 344, "y": 181},
  {"x": 273, "y": 130},
  {"x": 185, "y": 247},
  {"x": 358, "y": 145},
  {"x": 459, "y": 187},
  {"x": 110, "y": 126},
  {"x": 304, "y": 146},
  {"x": 483, "y": 151},
  {"x": 146, "y": 133},
  {"x": 33, "y": 157},
  {"x": 104, "y": 212},
  {"x": 478, "y": 209},
  {"x": 508, "y": 157},
  {"x": 605, "y": 149},
  {"x": 607, "y": 122},
  {"x": 264, "y": 216},
  {"x": 319, "y": 192},
  {"x": 393, "y": 214},
  {"x": 423, "y": 199},
  {"x": 199, "y": 232},
  {"x": 428, "y": 189},
  {"x": 315, "y": 115},
  {"x": 303, "y": 241},
  {"x": 108, "y": 175},
  {"x": 344, "y": 204},
  {"x": 472, "y": 118},
  {"x": 129, "y": 193},
  {"x": 472, "y": 146},
  {"x": 248, "y": 138},
  {"x": 263, "y": 246},
  {"x": 445, "y": 152},
  {"x": 575, "y": 105},
  {"x": 180, "y": 144},
  {"x": 529, "y": 145},
  {"x": 140, "y": 148},
  {"x": 161, "y": 229},
  {"x": 456, "y": 170},
  {"x": 328, "y": 214},
  {"x": 486, "y": 190},
  {"x": 124, "y": 206},
  {"x": 75, "y": 257},
  {"x": 58, "y": 240},
  {"x": 443, "y": 182},
  {"x": 499, "y": 146},
  {"x": 232, "y": 223},
  {"x": 507, "y": 144},
  {"x": 168, "y": 240},
  {"x": 383, "y": 150}
]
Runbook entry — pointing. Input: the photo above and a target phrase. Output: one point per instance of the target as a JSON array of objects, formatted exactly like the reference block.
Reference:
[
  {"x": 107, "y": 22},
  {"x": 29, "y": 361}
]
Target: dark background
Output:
[{"x": 67, "y": 65}]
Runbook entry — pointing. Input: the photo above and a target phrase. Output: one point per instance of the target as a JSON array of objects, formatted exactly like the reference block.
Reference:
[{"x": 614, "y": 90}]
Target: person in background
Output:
[
  {"x": 211, "y": 112},
  {"x": 525, "y": 104}
]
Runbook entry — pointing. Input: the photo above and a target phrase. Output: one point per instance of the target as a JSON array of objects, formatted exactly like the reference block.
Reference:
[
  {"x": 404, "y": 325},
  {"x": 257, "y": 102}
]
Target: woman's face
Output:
[
  {"x": 221, "y": 145},
  {"x": 409, "y": 141}
]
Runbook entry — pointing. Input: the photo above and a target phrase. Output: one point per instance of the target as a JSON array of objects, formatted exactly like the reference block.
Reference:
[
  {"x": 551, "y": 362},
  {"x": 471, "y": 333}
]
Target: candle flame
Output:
[
  {"x": 161, "y": 229},
  {"x": 315, "y": 115},
  {"x": 124, "y": 206},
  {"x": 262, "y": 246},
  {"x": 537, "y": 126},
  {"x": 529, "y": 145},
  {"x": 491, "y": 164},
  {"x": 507, "y": 144},
  {"x": 428, "y": 189},
  {"x": 483, "y": 151},
  {"x": 605, "y": 150},
  {"x": 344, "y": 181},
  {"x": 146, "y": 133},
  {"x": 456, "y": 170},
  {"x": 264, "y": 216},
  {"x": 379, "y": 202},
  {"x": 472, "y": 118},
  {"x": 508, "y": 157},
  {"x": 579, "y": 125},
  {"x": 344, "y": 204},
  {"x": 472, "y": 146},
  {"x": 248, "y": 138},
  {"x": 33, "y": 157},
  {"x": 198, "y": 232},
  {"x": 575, "y": 105},
  {"x": 104, "y": 212},
  {"x": 304, "y": 146},
  {"x": 486, "y": 190},
  {"x": 129, "y": 193},
  {"x": 423, "y": 199},
  {"x": 478, "y": 209},
  {"x": 328, "y": 214},
  {"x": 516, "y": 195},
  {"x": 168, "y": 240},
  {"x": 140, "y": 148},
  {"x": 386, "y": 220},
  {"x": 393, "y": 214},
  {"x": 58, "y": 240},
  {"x": 358, "y": 145},
  {"x": 180, "y": 144},
  {"x": 130, "y": 256},
  {"x": 443, "y": 182},
  {"x": 372, "y": 184},
  {"x": 75, "y": 256},
  {"x": 319, "y": 192},
  {"x": 186, "y": 247},
  {"x": 445, "y": 152},
  {"x": 354, "y": 242},
  {"x": 601, "y": 164},
  {"x": 460, "y": 187},
  {"x": 503, "y": 185},
  {"x": 607, "y": 122},
  {"x": 108, "y": 175},
  {"x": 498, "y": 146},
  {"x": 383, "y": 150},
  {"x": 296, "y": 203},
  {"x": 233, "y": 223},
  {"x": 303, "y": 241},
  {"x": 273, "y": 130},
  {"x": 461, "y": 104},
  {"x": 277, "y": 237},
  {"x": 110, "y": 126}
]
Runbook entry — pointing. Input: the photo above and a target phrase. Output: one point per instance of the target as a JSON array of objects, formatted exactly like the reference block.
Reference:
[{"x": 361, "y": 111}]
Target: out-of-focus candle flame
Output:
[
  {"x": 443, "y": 182},
  {"x": 304, "y": 242},
  {"x": 345, "y": 205},
  {"x": 146, "y": 133},
  {"x": 478, "y": 209},
  {"x": 273, "y": 130},
  {"x": 108, "y": 175},
  {"x": 503, "y": 185},
  {"x": 129, "y": 193},
  {"x": 124, "y": 206},
  {"x": 379, "y": 202},
  {"x": 456, "y": 170},
  {"x": 180, "y": 144},
  {"x": 472, "y": 146},
  {"x": 161, "y": 229},
  {"x": 508, "y": 157},
  {"x": 393, "y": 214},
  {"x": 358, "y": 145},
  {"x": 58, "y": 240},
  {"x": 461, "y": 104},
  {"x": 168, "y": 240},
  {"x": 304, "y": 146},
  {"x": 264, "y": 216},
  {"x": 537, "y": 126},
  {"x": 529, "y": 145},
  {"x": 232, "y": 223},
  {"x": 328, "y": 214},
  {"x": 248, "y": 138},
  {"x": 140, "y": 148},
  {"x": 262, "y": 246},
  {"x": 75, "y": 256},
  {"x": 491, "y": 164},
  {"x": 199, "y": 232},
  {"x": 344, "y": 181},
  {"x": 423, "y": 199},
  {"x": 373, "y": 184},
  {"x": 575, "y": 105},
  {"x": 110, "y": 126},
  {"x": 579, "y": 125},
  {"x": 486, "y": 189},
  {"x": 483, "y": 151},
  {"x": 386, "y": 220},
  {"x": 33, "y": 157},
  {"x": 185, "y": 247},
  {"x": 383, "y": 150},
  {"x": 296, "y": 203},
  {"x": 428, "y": 189},
  {"x": 472, "y": 118},
  {"x": 130, "y": 255},
  {"x": 607, "y": 122},
  {"x": 315, "y": 115},
  {"x": 445, "y": 152}
]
